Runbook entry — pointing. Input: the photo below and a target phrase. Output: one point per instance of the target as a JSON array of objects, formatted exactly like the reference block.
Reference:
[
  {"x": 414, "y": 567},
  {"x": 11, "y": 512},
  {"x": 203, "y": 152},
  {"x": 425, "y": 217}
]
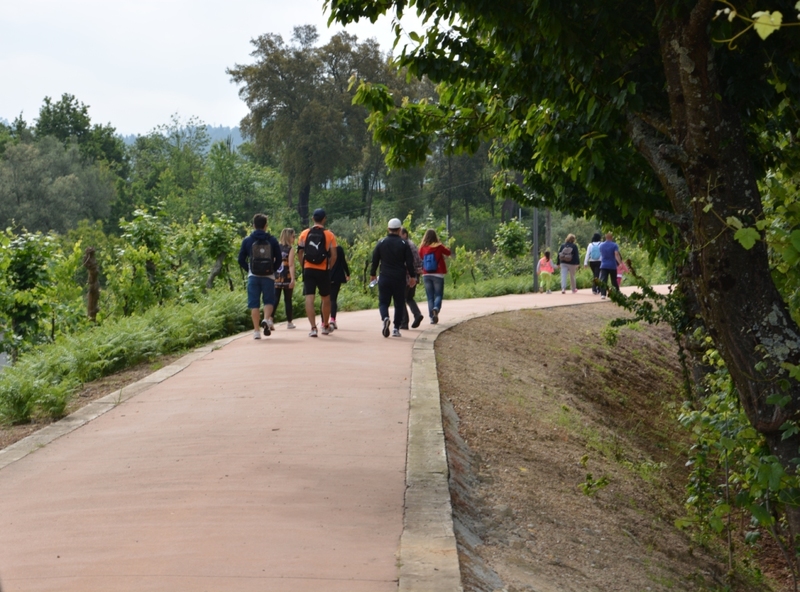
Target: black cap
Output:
[{"x": 319, "y": 215}]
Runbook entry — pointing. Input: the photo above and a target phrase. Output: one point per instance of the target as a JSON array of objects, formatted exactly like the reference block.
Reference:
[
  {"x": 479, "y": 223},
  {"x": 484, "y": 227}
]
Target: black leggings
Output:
[
  {"x": 605, "y": 275},
  {"x": 287, "y": 301},
  {"x": 335, "y": 287}
]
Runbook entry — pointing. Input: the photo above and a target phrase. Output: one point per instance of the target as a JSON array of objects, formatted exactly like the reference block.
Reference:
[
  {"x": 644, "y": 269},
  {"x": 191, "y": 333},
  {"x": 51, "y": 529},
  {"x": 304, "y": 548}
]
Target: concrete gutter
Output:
[{"x": 428, "y": 550}]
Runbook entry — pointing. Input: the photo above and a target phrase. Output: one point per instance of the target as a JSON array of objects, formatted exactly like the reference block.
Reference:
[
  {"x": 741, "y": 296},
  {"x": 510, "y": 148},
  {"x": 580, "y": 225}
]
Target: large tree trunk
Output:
[
  {"x": 93, "y": 293},
  {"x": 707, "y": 175},
  {"x": 302, "y": 202},
  {"x": 216, "y": 269}
]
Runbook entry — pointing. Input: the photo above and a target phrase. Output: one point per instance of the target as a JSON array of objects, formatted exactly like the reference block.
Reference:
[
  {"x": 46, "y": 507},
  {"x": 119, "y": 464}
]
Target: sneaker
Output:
[
  {"x": 549, "y": 292},
  {"x": 563, "y": 292},
  {"x": 333, "y": 325},
  {"x": 574, "y": 291},
  {"x": 313, "y": 332},
  {"x": 326, "y": 330},
  {"x": 396, "y": 332},
  {"x": 271, "y": 324},
  {"x": 435, "y": 316},
  {"x": 602, "y": 296},
  {"x": 256, "y": 334},
  {"x": 265, "y": 326},
  {"x": 385, "y": 330},
  {"x": 290, "y": 325},
  {"x": 417, "y": 321}
]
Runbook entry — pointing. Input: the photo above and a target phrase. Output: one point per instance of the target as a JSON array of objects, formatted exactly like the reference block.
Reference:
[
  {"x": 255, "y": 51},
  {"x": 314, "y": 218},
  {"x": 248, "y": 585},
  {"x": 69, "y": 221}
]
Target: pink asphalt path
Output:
[{"x": 269, "y": 465}]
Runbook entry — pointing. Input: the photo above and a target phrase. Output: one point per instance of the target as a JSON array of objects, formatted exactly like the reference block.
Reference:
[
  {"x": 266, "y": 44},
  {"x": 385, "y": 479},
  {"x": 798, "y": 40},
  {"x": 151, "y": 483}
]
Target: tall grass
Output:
[{"x": 42, "y": 381}]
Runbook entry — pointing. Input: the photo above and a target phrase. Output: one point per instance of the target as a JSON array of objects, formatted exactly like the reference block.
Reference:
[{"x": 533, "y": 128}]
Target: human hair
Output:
[
  {"x": 596, "y": 237},
  {"x": 260, "y": 221},
  {"x": 547, "y": 254},
  {"x": 570, "y": 238},
  {"x": 403, "y": 232},
  {"x": 429, "y": 238},
  {"x": 287, "y": 234}
]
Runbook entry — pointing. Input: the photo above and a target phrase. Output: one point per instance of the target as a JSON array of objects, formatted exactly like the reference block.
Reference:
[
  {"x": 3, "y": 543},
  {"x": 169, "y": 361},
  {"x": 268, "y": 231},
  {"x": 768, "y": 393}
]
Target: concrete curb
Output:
[
  {"x": 100, "y": 406},
  {"x": 428, "y": 550}
]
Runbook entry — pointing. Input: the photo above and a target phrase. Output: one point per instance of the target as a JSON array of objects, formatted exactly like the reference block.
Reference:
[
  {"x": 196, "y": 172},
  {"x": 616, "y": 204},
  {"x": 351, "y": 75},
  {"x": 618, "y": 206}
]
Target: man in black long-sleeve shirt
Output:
[{"x": 396, "y": 260}]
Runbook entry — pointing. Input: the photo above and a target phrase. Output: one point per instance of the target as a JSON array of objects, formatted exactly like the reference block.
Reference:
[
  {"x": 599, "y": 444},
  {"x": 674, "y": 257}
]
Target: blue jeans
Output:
[
  {"x": 258, "y": 289},
  {"x": 434, "y": 288}
]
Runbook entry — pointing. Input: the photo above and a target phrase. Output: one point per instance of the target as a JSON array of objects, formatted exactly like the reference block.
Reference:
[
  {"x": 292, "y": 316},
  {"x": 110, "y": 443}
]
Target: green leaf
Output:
[
  {"x": 734, "y": 221},
  {"x": 795, "y": 239},
  {"x": 747, "y": 237},
  {"x": 761, "y": 514},
  {"x": 779, "y": 399},
  {"x": 766, "y": 24}
]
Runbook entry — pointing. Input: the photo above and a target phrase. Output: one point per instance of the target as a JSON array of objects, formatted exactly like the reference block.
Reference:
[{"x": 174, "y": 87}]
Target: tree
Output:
[
  {"x": 167, "y": 167},
  {"x": 301, "y": 106},
  {"x": 45, "y": 186},
  {"x": 69, "y": 119},
  {"x": 632, "y": 113}
]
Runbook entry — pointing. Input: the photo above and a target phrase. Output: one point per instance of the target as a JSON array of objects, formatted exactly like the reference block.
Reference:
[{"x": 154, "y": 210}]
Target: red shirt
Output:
[{"x": 441, "y": 251}]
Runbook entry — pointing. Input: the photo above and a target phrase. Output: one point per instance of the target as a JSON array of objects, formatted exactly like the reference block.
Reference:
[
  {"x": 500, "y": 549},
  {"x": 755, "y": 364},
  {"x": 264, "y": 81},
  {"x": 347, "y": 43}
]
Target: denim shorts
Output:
[{"x": 259, "y": 288}]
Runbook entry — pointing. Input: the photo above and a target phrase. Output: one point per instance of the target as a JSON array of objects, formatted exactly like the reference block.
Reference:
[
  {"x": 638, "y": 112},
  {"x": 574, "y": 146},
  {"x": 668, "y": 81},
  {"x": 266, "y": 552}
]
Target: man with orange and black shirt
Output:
[{"x": 316, "y": 248}]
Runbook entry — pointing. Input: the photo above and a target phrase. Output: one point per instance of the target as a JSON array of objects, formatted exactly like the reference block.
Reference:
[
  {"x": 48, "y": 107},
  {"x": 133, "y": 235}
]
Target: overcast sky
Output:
[{"x": 137, "y": 62}]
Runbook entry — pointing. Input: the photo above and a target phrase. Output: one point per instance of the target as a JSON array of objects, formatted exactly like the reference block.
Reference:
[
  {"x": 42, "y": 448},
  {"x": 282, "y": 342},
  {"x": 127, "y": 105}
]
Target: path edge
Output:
[{"x": 98, "y": 407}]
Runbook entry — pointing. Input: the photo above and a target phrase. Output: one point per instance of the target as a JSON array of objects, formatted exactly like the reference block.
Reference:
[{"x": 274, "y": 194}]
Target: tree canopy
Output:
[
  {"x": 642, "y": 115},
  {"x": 301, "y": 109}
]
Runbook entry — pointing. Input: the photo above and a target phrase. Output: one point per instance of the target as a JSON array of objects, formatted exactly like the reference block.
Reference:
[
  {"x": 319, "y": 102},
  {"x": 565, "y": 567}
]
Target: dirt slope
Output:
[{"x": 567, "y": 464}]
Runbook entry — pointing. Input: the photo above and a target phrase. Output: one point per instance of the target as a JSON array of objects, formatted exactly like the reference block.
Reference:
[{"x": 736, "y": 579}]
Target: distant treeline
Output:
[{"x": 219, "y": 133}]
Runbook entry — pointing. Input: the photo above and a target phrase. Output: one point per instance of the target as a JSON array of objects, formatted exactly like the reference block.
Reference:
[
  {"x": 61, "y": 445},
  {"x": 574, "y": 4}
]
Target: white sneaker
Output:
[
  {"x": 265, "y": 326},
  {"x": 602, "y": 296},
  {"x": 396, "y": 332},
  {"x": 333, "y": 325},
  {"x": 271, "y": 324},
  {"x": 326, "y": 330},
  {"x": 290, "y": 325},
  {"x": 313, "y": 332},
  {"x": 256, "y": 334}
]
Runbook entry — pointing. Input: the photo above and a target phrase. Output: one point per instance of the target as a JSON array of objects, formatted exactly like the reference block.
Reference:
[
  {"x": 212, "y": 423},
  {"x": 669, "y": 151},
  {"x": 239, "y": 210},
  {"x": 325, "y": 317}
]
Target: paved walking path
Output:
[{"x": 271, "y": 465}]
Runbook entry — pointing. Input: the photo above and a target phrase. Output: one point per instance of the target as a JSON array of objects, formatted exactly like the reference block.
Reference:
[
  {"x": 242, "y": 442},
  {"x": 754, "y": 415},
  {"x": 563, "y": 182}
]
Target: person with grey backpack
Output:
[{"x": 569, "y": 261}]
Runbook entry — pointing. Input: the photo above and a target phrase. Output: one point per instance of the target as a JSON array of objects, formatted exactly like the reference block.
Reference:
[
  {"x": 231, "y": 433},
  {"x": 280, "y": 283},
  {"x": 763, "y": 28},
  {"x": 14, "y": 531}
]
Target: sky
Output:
[{"x": 135, "y": 63}]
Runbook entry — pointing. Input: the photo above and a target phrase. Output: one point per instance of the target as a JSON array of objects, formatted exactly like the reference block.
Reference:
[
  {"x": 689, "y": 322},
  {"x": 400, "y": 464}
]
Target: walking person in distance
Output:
[
  {"x": 396, "y": 262},
  {"x": 340, "y": 274},
  {"x": 285, "y": 279},
  {"x": 569, "y": 261},
  {"x": 411, "y": 291},
  {"x": 317, "y": 249},
  {"x": 592, "y": 260},
  {"x": 260, "y": 256},
  {"x": 432, "y": 252},
  {"x": 609, "y": 260},
  {"x": 545, "y": 270}
]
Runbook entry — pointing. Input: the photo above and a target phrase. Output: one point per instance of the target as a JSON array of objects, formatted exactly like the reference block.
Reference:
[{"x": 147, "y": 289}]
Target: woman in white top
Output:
[{"x": 592, "y": 259}]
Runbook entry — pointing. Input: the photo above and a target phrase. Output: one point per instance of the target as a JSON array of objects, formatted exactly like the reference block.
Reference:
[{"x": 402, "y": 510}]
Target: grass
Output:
[{"x": 43, "y": 380}]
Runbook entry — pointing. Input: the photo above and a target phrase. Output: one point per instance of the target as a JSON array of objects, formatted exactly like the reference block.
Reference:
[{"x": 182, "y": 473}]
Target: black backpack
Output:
[
  {"x": 261, "y": 263},
  {"x": 315, "y": 249}
]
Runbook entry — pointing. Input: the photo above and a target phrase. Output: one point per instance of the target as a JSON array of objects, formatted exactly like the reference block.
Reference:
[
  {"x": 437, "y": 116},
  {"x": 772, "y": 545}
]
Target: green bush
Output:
[{"x": 43, "y": 380}]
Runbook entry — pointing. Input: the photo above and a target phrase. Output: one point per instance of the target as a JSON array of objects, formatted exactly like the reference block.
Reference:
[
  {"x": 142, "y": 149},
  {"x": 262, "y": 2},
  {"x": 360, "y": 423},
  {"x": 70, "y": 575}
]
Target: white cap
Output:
[{"x": 394, "y": 224}]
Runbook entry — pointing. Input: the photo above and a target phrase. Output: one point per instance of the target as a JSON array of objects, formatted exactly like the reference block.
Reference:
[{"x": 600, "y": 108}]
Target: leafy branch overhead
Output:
[
  {"x": 631, "y": 112},
  {"x": 764, "y": 22}
]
